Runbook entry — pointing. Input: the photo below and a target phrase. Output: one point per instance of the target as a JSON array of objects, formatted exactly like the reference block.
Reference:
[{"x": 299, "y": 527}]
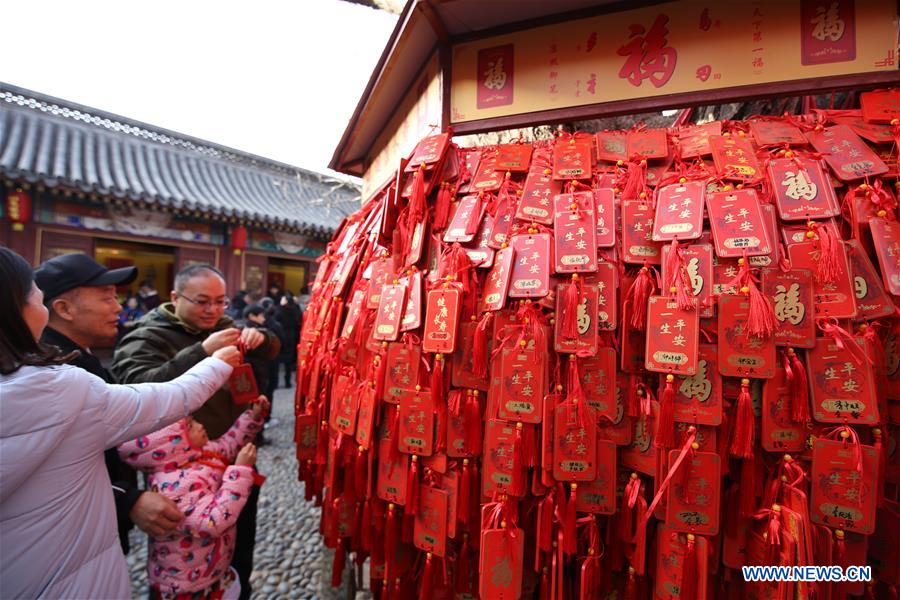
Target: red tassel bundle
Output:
[
  {"x": 638, "y": 295},
  {"x": 437, "y": 380},
  {"x": 472, "y": 421},
  {"x": 677, "y": 278},
  {"x": 570, "y": 312},
  {"x": 744, "y": 424},
  {"x": 665, "y": 425},
  {"x": 412, "y": 486},
  {"x": 480, "y": 343},
  {"x": 689, "y": 570},
  {"x": 442, "y": 208},
  {"x": 799, "y": 386}
]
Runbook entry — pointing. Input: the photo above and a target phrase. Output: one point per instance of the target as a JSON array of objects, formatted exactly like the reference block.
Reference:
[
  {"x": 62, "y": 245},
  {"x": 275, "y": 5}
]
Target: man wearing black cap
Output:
[{"x": 84, "y": 312}]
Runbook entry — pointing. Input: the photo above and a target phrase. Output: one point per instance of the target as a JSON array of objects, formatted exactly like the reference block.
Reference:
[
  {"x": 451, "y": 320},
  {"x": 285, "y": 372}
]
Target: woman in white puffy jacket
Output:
[{"x": 58, "y": 536}]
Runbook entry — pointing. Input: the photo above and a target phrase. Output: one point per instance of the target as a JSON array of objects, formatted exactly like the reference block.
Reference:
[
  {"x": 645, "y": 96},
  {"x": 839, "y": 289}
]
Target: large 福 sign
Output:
[{"x": 670, "y": 48}]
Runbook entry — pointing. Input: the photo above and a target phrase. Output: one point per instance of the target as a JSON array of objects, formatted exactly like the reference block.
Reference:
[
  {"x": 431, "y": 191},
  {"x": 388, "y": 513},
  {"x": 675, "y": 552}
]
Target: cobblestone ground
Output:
[{"x": 290, "y": 560}]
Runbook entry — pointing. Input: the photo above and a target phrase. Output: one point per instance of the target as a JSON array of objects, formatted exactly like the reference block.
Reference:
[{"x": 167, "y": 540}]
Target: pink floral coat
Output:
[{"x": 208, "y": 490}]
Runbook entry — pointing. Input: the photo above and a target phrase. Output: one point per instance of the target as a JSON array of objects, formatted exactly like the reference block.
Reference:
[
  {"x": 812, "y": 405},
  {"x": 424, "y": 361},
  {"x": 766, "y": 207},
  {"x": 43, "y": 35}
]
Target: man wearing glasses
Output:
[{"x": 173, "y": 338}]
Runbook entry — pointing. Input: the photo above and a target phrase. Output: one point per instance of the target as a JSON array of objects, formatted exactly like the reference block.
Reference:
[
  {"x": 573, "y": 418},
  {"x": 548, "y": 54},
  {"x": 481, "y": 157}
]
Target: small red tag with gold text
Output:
[
  {"x": 842, "y": 390},
  {"x": 442, "y": 320},
  {"x": 575, "y": 233},
  {"x": 872, "y": 301},
  {"x": 886, "y": 237},
  {"x": 679, "y": 211},
  {"x": 574, "y": 443},
  {"x": 735, "y": 158},
  {"x": 430, "y": 521},
  {"x": 586, "y": 334},
  {"x": 848, "y": 156},
  {"x": 694, "y": 498},
  {"x": 416, "y": 423},
  {"x": 802, "y": 192},
  {"x": 393, "y": 469},
  {"x": 673, "y": 337},
  {"x": 497, "y": 458},
  {"x": 791, "y": 293},
  {"x": 835, "y": 299},
  {"x": 390, "y": 312},
  {"x": 572, "y": 158},
  {"x": 523, "y": 384},
  {"x": 737, "y": 224},
  {"x": 500, "y": 569},
  {"x": 742, "y": 354},
  {"x": 638, "y": 246},
  {"x": 779, "y": 431},
  {"x": 605, "y": 201},
  {"x": 530, "y": 277},
  {"x": 842, "y": 495}
]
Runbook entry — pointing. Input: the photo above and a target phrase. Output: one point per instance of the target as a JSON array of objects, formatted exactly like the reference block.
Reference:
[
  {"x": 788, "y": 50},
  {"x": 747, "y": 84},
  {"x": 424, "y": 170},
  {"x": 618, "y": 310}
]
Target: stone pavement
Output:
[{"x": 290, "y": 561}]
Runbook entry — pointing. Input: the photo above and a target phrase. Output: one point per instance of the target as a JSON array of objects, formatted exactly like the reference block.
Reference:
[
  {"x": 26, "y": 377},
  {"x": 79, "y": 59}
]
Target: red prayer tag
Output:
[
  {"x": 735, "y": 158},
  {"x": 393, "y": 469},
  {"x": 470, "y": 163},
  {"x": 742, "y": 354},
  {"x": 429, "y": 151},
  {"x": 694, "y": 141},
  {"x": 698, "y": 397},
  {"x": 872, "y": 302},
  {"x": 480, "y": 252},
  {"x": 835, "y": 299},
  {"x": 466, "y": 219},
  {"x": 779, "y": 431},
  {"x": 647, "y": 144},
  {"x": 530, "y": 277},
  {"x": 382, "y": 273},
  {"x": 536, "y": 203},
  {"x": 791, "y": 293},
  {"x": 641, "y": 455},
  {"x": 802, "y": 192},
  {"x": 306, "y": 428},
  {"x": 366, "y": 417},
  {"x": 848, "y": 156},
  {"x": 877, "y": 133},
  {"x": 551, "y": 401},
  {"x": 638, "y": 246},
  {"x": 497, "y": 459},
  {"x": 456, "y": 432},
  {"x": 698, "y": 259},
  {"x": 416, "y": 423},
  {"x": 523, "y": 385},
  {"x": 500, "y": 569},
  {"x": 417, "y": 244},
  {"x": 496, "y": 284},
  {"x": 401, "y": 370},
  {"x": 574, "y": 443},
  {"x": 585, "y": 340},
  {"x": 390, "y": 312},
  {"x": 598, "y": 496},
  {"x": 880, "y": 106},
  {"x": 679, "y": 211},
  {"x": 605, "y": 202},
  {"x": 886, "y": 237},
  {"x": 598, "y": 380},
  {"x": 575, "y": 233},
  {"x": 441, "y": 320},
  {"x": 776, "y": 132},
  {"x": 670, "y": 551},
  {"x": 412, "y": 314},
  {"x": 572, "y": 158},
  {"x": 673, "y": 337},
  {"x": 737, "y": 224},
  {"x": 694, "y": 497},
  {"x": 605, "y": 282},
  {"x": 430, "y": 524},
  {"x": 487, "y": 178},
  {"x": 611, "y": 145},
  {"x": 842, "y": 390},
  {"x": 843, "y": 495},
  {"x": 514, "y": 157},
  {"x": 345, "y": 401},
  {"x": 450, "y": 484}
]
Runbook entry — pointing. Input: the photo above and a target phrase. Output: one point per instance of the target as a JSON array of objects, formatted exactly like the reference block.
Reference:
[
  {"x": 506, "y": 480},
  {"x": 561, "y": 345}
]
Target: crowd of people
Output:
[{"x": 73, "y": 434}]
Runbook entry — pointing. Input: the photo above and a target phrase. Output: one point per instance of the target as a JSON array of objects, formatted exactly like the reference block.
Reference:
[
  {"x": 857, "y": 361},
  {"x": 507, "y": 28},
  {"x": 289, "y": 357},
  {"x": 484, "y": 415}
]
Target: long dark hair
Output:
[{"x": 17, "y": 344}]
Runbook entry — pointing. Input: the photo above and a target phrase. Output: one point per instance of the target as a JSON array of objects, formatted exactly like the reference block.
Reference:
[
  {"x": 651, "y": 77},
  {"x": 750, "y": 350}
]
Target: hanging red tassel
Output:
[
  {"x": 570, "y": 536},
  {"x": 544, "y": 528},
  {"x": 761, "y": 321},
  {"x": 322, "y": 443},
  {"x": 391, "y": 539},
  {"x": 380, "y": 374},
  {"x": 571, "y": 300},
  {"x": 442, "y": 208},
  {"x": 412, "y": 486},
  {"x": 545, "y": 583},
  {"x": 748, "y": 478},
  {"x": 463, "y": 577},
  {"x": 665, "y": 424},
  {"x": 635, "y": 397},
  {"x": 360, "y": 470},
  {"x": 828, "y": 264},
  {"x": 337, "y": 566},
  {"x": 742, "y": 434},
  {"x": 631, "y": 586},
  {"x": 472, "y": 422},
  {"x": 479, "y": 345},
  {"x": 799, "y": 388},
  {"x": 437, "y": 380},
  {"x": 366, "y": 526},
  {"x": 638, "y": 296},
  {"x": 689, "y": 570},
  {"x": 425, "y": 590},
  {"x": 465, "y": 494},
  {"x": 881, "y": 451},
  {"x": 519, "y": 473},
  {"x": 417, "y": 199},
  {"x": 629, "y": 500},
  {"x": 590, "y": 577},
  {"x": 678, "y": 280}
]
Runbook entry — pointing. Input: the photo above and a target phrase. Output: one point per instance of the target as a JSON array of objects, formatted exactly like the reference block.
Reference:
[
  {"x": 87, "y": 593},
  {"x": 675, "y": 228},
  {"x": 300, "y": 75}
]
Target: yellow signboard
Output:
[{"x": 670, "y": 48}]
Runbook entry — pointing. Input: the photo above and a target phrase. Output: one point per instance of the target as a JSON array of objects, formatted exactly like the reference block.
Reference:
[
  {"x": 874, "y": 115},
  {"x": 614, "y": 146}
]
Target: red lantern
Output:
[
  {"x": 18, "y": 207},
  {"x": 238, "y": 239}
]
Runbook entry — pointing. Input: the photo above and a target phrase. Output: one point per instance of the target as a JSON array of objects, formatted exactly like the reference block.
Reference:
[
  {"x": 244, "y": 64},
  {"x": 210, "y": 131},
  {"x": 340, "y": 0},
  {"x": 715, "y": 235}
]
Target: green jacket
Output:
[{"x": 161, "y": 347}]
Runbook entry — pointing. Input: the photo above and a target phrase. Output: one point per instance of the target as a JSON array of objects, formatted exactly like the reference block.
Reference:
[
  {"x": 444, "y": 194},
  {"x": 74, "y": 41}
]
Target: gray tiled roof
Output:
[{"x": 58, "y": 143}]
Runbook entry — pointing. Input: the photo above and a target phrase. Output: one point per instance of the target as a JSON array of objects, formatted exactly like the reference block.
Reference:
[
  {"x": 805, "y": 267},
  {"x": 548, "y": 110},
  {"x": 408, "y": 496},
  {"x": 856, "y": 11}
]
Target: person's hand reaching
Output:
[
  {"x": 261, "y": 407},
  {"x": 247, "y": 456}
]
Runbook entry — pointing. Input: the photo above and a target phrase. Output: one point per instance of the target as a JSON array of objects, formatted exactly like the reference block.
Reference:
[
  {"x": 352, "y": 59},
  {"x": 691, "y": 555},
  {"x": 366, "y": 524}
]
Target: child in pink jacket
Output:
[{"x": 197, "y": 474}]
